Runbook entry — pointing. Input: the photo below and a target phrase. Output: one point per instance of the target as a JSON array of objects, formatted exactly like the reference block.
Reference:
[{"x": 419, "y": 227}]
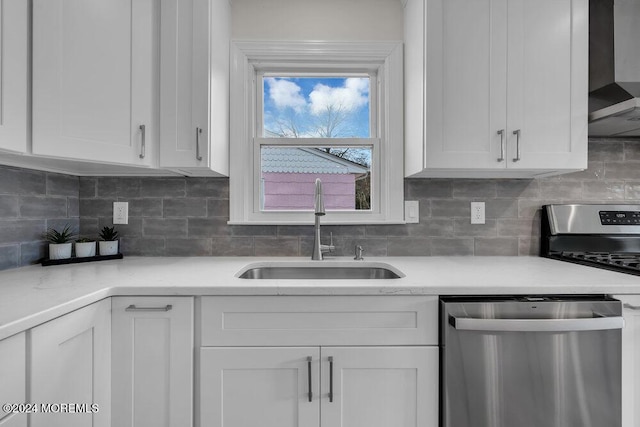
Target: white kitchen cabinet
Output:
[
  {"x": 380, "y": 386},
  {"x": 630, "y": 360},
  {"x": 13, "y": 372},
  {"x": 495, "y": 87},
  {"x": 14, "y": 56},
  {"x": 152, "y": 357},
  {"x": 15, "y": 420},
  {"x": 71, "y": 364},
  {"x": 95, "y": 80},
  {"x": 194, "y": 86},
  {"x": 369, "y": 383},
  {"x": 267, "y": 387}
]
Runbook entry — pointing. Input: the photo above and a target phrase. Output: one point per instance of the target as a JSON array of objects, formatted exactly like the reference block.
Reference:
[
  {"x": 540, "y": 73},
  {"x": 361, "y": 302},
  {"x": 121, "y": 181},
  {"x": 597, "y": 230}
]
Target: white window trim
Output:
[{"x": 386, "y": 57}]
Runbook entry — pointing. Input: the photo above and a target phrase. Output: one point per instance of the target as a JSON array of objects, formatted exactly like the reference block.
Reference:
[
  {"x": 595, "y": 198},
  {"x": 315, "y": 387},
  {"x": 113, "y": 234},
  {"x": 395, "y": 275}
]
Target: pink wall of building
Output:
[{"x": 295, "y": 191}]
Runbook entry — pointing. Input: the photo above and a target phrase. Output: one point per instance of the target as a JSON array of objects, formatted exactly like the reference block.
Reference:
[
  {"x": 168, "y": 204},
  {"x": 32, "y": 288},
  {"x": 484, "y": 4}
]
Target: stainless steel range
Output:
[{"x": 604, "y": 236}]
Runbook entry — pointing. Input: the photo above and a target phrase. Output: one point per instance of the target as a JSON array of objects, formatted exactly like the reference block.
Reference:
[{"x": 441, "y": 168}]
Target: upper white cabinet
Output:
[
  {"x": 14, "y": 75},
  {"x": 71, "y": 364},
  {"x": 95, "y": 80},
  {"x": 194, "y": 86},
  {"x": 495, "y": 87}
]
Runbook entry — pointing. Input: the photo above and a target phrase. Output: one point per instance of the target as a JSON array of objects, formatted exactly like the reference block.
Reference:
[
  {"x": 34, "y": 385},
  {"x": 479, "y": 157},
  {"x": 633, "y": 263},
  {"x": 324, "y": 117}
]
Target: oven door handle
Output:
[{"x": 536, "y": 325}]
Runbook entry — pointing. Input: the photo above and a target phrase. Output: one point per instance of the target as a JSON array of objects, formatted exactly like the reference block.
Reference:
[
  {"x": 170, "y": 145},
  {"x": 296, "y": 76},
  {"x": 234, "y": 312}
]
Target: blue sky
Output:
[{"x": 303, "y": 103}]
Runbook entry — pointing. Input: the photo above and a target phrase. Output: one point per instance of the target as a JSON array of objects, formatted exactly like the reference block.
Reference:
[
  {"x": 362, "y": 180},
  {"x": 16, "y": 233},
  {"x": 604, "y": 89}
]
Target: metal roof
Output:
[{"x": 307, "y": 160}]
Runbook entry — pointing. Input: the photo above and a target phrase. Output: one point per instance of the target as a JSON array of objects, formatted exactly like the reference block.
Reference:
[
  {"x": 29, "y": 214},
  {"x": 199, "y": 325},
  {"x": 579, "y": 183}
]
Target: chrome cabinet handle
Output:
[
  {"x": 537, "y": 325},
  {"x": 198, "y": 132},
  {"x": 501, "y": 133},
  {"x": 132, "y": 307},
  {"x": 517, "y": 134},
  {"x": 143, "y": 148},
  {"x": 330, "y": 378},
  {"x": 631, "y": 306},
  {"x": 309, "y": 359}
]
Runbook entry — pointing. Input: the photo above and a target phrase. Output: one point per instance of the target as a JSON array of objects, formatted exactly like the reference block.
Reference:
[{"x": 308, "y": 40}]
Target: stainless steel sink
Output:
[{"x": 324, "y": 270}]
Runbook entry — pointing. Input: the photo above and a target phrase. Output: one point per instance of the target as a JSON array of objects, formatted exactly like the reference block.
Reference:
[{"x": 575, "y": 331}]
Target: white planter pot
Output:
[
  {"x": 59, "y": 250},
  {"x": 85, "y": 249},
  {"x": 109, "y": 248}
]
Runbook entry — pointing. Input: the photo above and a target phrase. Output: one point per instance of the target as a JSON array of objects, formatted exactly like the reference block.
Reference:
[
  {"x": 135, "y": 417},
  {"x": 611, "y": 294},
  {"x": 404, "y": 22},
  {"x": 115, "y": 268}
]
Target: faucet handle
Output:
[{"x": 358, "y": 253}]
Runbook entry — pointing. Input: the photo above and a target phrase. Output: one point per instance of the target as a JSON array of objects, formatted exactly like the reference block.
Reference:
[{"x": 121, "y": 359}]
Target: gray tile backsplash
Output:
[
  {"x": 188, "y": 216},
  {"x": 30, "y": 203},
  {"x": 171, "y": 207}
]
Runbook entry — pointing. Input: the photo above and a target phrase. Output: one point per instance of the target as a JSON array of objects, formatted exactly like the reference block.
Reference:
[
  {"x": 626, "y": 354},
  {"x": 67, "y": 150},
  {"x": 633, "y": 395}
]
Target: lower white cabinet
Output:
[
  {"x": 331, "y": 384},
  {"x": 313, "y": 386},
  {"x": 13, "y": 378},
  {"x": 71, "y": 364},
  {"x": 630, "y": 360},
  {"x": 152, "y": 361},
  {"x": 14, "y": 420}
]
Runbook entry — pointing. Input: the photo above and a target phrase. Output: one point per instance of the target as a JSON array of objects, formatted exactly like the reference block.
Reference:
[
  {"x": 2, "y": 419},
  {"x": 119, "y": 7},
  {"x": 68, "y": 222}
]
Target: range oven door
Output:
[{"x": 531, "y": 362}]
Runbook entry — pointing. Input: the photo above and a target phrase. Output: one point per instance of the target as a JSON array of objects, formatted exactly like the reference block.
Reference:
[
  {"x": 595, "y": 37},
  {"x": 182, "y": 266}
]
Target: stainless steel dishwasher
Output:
[{"x": 531, "y": 361}]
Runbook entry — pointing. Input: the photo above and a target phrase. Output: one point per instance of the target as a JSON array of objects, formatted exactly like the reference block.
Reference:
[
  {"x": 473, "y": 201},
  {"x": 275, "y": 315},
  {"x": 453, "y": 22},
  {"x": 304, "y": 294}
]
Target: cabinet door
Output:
[
  {"x": 466, "y": 79},
  {"x": 71, "y": 363},
  {"x": 94, "y": 79},
  {"x": 15, "y": 420},
  {"x": 14, "y": 375},
  {"x": 194, "y": 85},
  {"x": 631, "y": 360},
  {"x": 548, "y": 83},
  {"x": 152, "y": 361},
  {"x": 380, "y": 387},
  {"x": 13, "y": 74},
  {"x": 260, "y": 386}
]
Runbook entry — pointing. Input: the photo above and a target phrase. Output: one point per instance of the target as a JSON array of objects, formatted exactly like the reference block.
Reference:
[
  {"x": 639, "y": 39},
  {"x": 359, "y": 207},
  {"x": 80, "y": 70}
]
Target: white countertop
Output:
[{"x": 32, "y": 295}]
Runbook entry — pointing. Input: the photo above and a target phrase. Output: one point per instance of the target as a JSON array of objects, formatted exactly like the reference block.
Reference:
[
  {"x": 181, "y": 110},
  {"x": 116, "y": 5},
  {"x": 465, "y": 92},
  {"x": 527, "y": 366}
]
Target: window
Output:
[{"x": 302, "y": 111}]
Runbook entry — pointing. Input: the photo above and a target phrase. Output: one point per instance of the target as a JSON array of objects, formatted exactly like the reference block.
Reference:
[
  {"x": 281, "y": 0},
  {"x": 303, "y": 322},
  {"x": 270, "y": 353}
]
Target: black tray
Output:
[{"x": 75, "y": 260}]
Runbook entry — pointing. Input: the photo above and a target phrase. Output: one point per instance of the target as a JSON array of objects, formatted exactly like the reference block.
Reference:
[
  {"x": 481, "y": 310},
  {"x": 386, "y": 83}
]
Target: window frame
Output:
[{"x": 251, "y": 60}]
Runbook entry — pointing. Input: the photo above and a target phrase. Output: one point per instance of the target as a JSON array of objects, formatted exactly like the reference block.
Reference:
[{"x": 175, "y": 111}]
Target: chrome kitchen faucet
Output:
[{"x": 318, "y": 248}]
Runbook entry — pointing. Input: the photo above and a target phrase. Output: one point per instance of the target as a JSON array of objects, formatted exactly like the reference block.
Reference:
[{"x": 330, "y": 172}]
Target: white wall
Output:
[{"x": 331, "y": 20}]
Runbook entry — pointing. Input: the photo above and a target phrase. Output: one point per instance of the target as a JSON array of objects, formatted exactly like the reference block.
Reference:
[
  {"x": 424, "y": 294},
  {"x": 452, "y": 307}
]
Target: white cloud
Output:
[
  {"x": 285, "y": 93},
  {"x": 353, "y": 95}
]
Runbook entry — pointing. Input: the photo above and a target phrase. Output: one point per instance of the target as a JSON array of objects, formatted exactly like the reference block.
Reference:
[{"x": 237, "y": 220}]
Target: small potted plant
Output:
[
  {"x": 85, "y": 248},
  {"x": 109, "y": 243},
  {"x": 59, "y": 242}
]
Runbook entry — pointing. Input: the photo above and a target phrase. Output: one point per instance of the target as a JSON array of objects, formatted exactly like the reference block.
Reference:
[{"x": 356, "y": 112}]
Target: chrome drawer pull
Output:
[
  {"x": 330, "y": 378},
  {"x": 198, "y": 132},
  {"x": 132, "y": 307},
  {"x": 501, "y": 133},
  {"x": 309, "y": 359},
  {"x": 143, "y": 148},
  {"x": 517, "y": 134}
]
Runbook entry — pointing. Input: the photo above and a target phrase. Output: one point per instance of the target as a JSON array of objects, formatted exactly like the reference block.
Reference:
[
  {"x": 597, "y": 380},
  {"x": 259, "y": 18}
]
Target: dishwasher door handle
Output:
[{"x": 536, "y": 325}]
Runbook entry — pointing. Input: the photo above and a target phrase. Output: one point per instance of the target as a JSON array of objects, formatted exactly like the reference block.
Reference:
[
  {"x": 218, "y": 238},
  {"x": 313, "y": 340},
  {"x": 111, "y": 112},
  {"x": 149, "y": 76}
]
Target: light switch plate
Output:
[
  {"x": 121, "y": 212},
  {"x": 411, "y": 211}
]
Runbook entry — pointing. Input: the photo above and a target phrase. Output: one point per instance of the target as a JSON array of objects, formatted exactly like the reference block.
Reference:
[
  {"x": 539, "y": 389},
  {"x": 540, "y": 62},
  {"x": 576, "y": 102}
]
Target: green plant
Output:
[
  {"x": 84, "y": 240},
  {"x": 109, "y": 234},
  {"x": 55, "y": 236}
]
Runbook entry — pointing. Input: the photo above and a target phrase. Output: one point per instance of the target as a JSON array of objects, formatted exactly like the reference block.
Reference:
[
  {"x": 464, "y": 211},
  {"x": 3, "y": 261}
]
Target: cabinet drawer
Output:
[
  {"x": 319, "y": 320},
  {"x": 12, "y": 372}
]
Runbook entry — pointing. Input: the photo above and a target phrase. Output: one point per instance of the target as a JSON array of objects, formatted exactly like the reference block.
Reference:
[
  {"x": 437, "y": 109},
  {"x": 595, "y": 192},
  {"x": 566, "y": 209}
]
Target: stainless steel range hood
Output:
[{"x": 614, "y": 68}]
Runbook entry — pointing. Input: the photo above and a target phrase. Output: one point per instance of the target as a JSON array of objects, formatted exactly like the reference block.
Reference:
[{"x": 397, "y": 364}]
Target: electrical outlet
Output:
[
  {"x": 121, "y": 212},
  {"x": 477, "y": 212}
]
